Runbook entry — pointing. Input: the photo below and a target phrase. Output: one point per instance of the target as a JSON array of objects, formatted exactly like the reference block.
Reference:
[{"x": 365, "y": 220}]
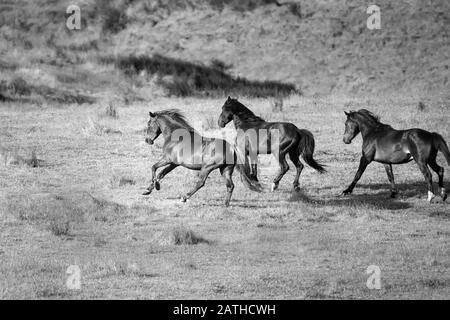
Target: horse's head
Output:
[
  {"x": 153, "y": 129},
  {"x": 351, "y": 128},
  {"x": 227, "y": 115}
]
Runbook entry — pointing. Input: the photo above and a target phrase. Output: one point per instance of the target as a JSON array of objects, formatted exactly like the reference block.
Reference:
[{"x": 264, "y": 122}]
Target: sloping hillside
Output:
[{"x": 319, "y": 46}]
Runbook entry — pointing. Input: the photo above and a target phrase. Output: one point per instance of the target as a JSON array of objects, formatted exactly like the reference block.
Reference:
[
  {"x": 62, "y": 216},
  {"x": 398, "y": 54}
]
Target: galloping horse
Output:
[
  {"x": 292, "y": 140},
  {"x": 382, "y": 143},
  {"x": 193, "y": 152}
]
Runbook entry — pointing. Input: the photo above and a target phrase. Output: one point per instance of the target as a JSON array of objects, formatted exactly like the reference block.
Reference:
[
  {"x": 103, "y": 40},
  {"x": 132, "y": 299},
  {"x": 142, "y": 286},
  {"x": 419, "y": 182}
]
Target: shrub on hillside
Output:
[
  {"x": 114, "y": 18},
  {"x": 189, "y": 79},
  {"x": 240, "y": 5},
  {"x": 20, "y": 90}
]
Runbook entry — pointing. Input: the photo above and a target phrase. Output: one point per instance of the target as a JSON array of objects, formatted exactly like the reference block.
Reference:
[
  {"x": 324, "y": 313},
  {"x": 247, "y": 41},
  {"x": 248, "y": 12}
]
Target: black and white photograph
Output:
[{"x": 224, "y": 150}]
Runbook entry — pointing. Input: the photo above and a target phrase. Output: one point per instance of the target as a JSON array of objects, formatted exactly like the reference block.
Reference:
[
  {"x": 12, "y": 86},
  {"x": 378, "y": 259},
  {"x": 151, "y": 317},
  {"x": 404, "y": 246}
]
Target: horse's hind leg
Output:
[
  {"x": 428, "y": 178},
  {"x": 227, "y": 173},
  {"x": 390, "y": 175},
  {"x": 204, "y": 173},
  {"x": 294, "y": 156},
  {"x": 284, "y": 167},
  {"x": 251, "y": 160},
  {"x": 440, "y": 172}
]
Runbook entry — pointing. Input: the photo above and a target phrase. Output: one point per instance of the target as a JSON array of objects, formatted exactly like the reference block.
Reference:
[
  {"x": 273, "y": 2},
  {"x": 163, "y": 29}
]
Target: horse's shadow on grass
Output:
[
  {"x": 379, "y": 201},
  {"x": 245, "y": 203},
  {"x": 411, "y": 190}
]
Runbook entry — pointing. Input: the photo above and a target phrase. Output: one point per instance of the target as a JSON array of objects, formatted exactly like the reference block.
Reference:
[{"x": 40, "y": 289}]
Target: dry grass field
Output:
[{"x": 77, "y": 201}]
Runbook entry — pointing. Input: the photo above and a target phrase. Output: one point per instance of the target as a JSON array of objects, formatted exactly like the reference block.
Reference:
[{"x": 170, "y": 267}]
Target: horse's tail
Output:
[
  {"x": 243, "y": 167},
  {"x": 306, "y": 148},
  {"x": 440, "y": 144}
]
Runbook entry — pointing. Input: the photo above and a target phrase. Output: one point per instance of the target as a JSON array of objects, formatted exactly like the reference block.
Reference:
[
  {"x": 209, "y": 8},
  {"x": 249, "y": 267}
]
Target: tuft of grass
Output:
[
  {"x": 18, "y": 86},
  {"x": 12, "y": 158},
  {"x": 421, "y": 106},
  {"x": 111, "y": 111},
  {"x": 120, "y": 181},
  {"x": 33, "y": 162},
  {"x": 59, "y": 227},
  {"x": 96, "y": 128},
  {"x": 183, "y": 236},
  {"x": 277, "y": 104}
]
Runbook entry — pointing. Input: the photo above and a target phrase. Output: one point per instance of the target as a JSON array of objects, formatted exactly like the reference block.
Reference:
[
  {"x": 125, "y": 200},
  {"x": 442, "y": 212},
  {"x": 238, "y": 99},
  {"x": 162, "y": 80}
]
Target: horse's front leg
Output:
[
  {"x": 390, "y": 175},
  {"x": 203, "y": 175},
  {"x": 155, "y": 184},
  {"x": 165, "y": 171},
  {"x": 251, "y": 160},
  {"x": 363, "y": 163}
]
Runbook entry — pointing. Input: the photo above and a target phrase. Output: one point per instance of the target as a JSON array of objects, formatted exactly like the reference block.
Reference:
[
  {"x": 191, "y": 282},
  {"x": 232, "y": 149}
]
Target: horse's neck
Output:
[
  {"x": 366, "y": 129},
  {"x": 240, "y": 123},
  {"x": 168, "y": 132}
]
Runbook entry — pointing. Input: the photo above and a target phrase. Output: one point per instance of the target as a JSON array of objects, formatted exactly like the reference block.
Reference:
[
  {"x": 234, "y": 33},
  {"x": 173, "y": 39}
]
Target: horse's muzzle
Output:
[
  {"x": 221, "y": 124},
  {"x": 149, "y": 141},
  {"x": 347, "y": 141}
]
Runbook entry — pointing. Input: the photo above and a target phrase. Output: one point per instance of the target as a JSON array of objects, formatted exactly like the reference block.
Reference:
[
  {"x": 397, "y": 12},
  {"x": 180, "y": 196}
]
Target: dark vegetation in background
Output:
[
  {"x": 190, "y": 79},
  {"x": 113, "y": 16},
  {"x": 20, "y": 90},
  {"x": 241, "y": 5}
]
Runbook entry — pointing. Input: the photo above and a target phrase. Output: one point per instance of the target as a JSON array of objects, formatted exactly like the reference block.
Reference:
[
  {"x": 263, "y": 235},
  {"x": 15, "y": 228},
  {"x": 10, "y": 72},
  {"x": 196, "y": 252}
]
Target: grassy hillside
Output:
[{"x": 319, "y": 47}]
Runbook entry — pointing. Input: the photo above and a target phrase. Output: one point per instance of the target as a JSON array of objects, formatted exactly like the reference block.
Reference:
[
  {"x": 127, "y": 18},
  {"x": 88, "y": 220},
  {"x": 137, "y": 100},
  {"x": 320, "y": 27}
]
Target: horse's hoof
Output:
[
  {"x": 346, "y": 193},
  {"x": 227, "y": 204},
  {"x": 157, "y": 185},
  {"x": 296, "y": 189},
  {"x": 273, "y": 187},
  {"x": 431, "y": 196},
  {"x": 393, "y": 195},
  {"x": 443, "y": 194},
  {"x": 146, "y": 193},
  {"x": 183, "y": 199}
]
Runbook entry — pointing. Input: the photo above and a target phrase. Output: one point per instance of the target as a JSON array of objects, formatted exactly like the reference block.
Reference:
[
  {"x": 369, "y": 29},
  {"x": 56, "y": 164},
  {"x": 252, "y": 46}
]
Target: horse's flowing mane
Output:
[
  {"x": 174, "y": 118},
  {"x": 368, "y": 117},
  {"x": 242, "y": 112}
]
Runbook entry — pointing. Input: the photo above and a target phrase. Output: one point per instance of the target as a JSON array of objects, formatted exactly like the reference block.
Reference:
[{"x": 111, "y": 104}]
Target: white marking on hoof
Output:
[
  {"x": 443, "y": 194},
  {"x": 430, "y": 196},
  {"x": 273, "y": 187}
]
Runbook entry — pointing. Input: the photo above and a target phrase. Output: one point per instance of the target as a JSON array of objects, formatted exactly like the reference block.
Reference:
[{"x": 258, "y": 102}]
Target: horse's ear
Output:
[
  {"x": 152, "y": 115},
  {"x": 229, "y": 98},
  {"x": 346, "y": 113}
]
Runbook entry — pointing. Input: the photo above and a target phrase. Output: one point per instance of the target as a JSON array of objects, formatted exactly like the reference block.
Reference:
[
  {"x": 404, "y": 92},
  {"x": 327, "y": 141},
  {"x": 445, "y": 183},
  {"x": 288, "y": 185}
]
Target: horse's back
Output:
[
  {"x": 401, "y": 146},
  {"x": 284, "y": 128}
]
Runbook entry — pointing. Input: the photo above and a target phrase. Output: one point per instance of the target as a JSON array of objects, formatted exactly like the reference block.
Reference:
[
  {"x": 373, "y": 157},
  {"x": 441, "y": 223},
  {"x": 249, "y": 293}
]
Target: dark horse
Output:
[
  {"x": 292, "y": 140},
  {"x": 193, "y": 152},
  {"x": 384, "y": 144}
]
